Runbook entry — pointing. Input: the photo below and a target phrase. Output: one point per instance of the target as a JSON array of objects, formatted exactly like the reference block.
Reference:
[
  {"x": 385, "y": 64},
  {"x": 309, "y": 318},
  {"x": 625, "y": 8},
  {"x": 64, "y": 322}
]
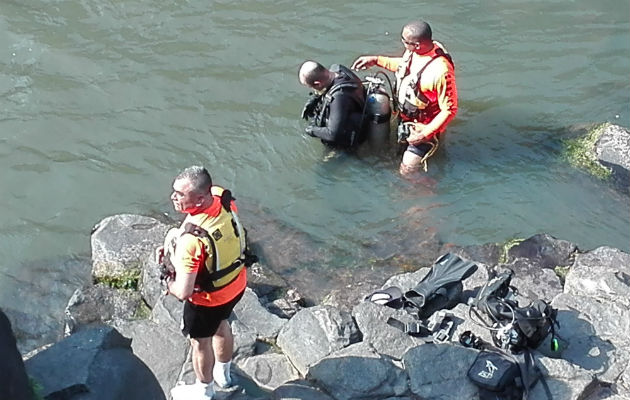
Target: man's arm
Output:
[
  {"x": 189, "y": 257},
  {"x": 341, "y": 122},
  {"x": 365, "y": 62},
  {"x": 446, "y": 90},
  {"x": 183, "y": 285}
]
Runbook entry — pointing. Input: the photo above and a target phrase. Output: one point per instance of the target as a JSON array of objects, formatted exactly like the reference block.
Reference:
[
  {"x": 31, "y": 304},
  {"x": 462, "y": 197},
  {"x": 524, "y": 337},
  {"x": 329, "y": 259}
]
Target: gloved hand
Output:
[
  {"x": 309, "y": 130},
  {"x": 309, "y": 107}
]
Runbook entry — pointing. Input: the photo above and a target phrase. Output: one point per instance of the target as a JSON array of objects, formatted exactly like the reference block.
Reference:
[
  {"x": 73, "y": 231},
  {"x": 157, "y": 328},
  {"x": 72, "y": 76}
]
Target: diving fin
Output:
[
  {"x": 391, "y": 297},
  {"x": 441, "y": 287}
]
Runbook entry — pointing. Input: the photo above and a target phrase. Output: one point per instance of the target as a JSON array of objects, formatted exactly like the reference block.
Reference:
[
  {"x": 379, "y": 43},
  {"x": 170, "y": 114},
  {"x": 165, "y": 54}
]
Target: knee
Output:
[{"x": 224, "y": 329}]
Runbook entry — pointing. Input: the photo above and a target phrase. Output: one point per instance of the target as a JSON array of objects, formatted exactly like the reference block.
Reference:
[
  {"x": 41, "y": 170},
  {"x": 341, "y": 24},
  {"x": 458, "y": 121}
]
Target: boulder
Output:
[
  {"x": 544, "y": 251},
  {"x": 532, "y": 281},
  {"x": 612, "y": 150},
  {"x": 438, "y": 371},
  {"x": 315, "y": 332},
  {"x": 372, "y": 319},
  {"x": 603, "y": 273},
  {"x": 269, "y": 370},
  {"x": 299, "y": 390},
  {"x": 13, "y": 379},
  {"x": 121, "y": 242},
  {"x": 358, "y": 372},
  {"x": 594, "y": 335},
  {"x": 95, "y": 363},
  {"x": 162, "y": 349},
  {"x": 257, "y": 318},
  {"x": 97, "y": 304}
]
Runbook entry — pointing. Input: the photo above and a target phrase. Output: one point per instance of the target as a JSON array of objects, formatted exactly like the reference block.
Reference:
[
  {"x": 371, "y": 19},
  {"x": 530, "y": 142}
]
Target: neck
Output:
[{"x": 424, "y": 48}]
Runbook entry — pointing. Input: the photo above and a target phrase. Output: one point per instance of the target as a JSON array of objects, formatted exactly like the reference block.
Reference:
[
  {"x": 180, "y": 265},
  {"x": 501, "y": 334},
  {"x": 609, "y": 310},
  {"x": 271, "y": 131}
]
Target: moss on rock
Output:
[
  {"x": 127, "y": 280},
  {"x": 580, "y": 152}
]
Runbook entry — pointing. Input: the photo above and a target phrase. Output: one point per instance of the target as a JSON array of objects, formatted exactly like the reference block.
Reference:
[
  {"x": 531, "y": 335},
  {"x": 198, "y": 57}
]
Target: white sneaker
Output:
[
  {"x": 221, "y": 374},
  {"x": 197, "y": 391},
  {"x": 222, "y": 382}
]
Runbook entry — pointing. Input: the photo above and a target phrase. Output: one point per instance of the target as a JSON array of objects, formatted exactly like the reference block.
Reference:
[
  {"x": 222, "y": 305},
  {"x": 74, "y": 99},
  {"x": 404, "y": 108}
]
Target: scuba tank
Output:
[{"x": 377, "y": 111}]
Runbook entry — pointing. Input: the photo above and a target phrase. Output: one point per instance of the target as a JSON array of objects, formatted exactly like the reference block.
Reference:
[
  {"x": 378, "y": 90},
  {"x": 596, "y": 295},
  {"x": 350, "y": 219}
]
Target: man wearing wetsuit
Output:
[
  {"x": 337, "y": 108},
  {"x": 427, "y": 94}
]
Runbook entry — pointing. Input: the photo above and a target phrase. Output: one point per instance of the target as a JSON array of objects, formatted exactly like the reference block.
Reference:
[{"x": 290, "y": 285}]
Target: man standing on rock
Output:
[{"x": 205, "y": 261}]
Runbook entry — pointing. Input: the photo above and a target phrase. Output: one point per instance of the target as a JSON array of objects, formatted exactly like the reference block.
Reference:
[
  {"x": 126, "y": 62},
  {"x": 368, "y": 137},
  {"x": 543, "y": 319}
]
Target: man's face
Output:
[
  {"x": 408, "y": 41},
  {"x": 183, "y": 198}
]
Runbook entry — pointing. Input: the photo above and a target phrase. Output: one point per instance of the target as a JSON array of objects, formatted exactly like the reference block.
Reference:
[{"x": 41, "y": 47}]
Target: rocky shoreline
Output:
[{"x": 123, "y": 340}]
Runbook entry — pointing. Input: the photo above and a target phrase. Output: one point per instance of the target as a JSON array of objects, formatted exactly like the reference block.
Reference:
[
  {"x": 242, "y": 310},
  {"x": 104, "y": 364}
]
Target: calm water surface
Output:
[{"x": 101, "y": 102}]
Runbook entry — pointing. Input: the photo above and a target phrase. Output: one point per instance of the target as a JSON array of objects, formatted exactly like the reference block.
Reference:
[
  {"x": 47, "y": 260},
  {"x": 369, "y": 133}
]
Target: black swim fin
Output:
[
  {"x": 441, "y": 287},
  {"x": 391, "y": 297}
]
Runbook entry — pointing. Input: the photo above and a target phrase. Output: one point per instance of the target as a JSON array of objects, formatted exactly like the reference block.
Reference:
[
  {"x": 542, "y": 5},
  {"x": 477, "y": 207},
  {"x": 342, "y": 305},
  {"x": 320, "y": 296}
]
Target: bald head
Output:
[
  {"x": 314, "y": 75},
  {"x": 418, "y": 31}
]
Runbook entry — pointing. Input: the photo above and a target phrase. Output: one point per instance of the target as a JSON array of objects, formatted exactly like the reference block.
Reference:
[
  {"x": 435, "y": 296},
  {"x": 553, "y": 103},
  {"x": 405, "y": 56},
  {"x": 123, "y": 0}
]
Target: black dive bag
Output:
[{"x": 497, "y": 376}]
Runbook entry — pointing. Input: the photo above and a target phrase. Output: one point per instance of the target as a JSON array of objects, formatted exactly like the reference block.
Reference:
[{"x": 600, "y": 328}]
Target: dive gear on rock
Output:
[
  {"x": 513, "y": 327},
  {"x": 500, "y": 375},
  {"x": 439, "y": 289}
]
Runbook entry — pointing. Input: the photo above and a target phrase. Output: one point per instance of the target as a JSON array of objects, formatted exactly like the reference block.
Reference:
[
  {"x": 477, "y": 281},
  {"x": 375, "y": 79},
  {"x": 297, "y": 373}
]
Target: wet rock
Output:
[
  {"x": 544, "y": 251},
  {"x": 612, "y": 150}
]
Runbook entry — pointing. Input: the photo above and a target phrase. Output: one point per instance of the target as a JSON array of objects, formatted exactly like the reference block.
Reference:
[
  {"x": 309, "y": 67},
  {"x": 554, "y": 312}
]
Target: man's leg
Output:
[
  {"x": 202, "y": 358},
  {"x": 223, "y": 342},
  {"x": 410, "y": 163},
  {"x": 223, "y": 346}
]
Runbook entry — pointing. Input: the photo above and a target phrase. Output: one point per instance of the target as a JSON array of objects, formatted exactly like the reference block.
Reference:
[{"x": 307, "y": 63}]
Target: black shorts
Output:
[
  {"x": 420, "y": 149},
  {"x": 203, "y": 322}
]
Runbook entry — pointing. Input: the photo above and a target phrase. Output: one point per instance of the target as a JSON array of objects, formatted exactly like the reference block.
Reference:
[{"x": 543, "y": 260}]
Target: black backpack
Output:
[{"x": 503, "y": 376}]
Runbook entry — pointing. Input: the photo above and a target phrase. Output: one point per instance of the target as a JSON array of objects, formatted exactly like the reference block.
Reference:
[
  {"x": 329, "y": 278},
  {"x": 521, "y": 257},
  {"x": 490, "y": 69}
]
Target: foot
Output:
[
  {"x": 196, "y": 391},
  {"x": 222, "y": 381}
]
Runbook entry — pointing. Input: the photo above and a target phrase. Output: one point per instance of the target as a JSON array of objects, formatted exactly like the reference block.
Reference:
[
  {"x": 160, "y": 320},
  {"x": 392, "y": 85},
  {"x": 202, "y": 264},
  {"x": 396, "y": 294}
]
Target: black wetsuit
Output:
[{"x": 339, "y": 120}]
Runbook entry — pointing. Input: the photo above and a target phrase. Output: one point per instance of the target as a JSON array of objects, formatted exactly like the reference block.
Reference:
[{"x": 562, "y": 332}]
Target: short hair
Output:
[
  {"x": 419, "y": 31},
  {"x": 199, "y": 178},
  {"x": 311, "y": 71}
]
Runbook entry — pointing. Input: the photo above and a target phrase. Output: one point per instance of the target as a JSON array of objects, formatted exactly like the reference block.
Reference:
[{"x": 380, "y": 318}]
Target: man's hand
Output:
[
  {"x": 364, "y": 62},
  {"x": 310, "y": 106},
  {"x": 416, "y": 135},
  {"x": 309, "y": 130}
]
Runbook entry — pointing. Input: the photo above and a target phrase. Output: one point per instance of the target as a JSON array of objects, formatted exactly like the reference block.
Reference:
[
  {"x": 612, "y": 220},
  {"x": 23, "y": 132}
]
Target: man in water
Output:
[
  {"x": 336, "y": 108},
  {"x": 427, "y": 94},
  {"x": 204, "y": 266}
]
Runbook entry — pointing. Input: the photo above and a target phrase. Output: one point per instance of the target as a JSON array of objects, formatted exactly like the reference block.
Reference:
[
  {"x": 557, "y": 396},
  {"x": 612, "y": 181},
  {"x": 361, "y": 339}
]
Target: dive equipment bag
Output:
[
  {"x": 513, "y": 327},
  {"x": 503, "y": 376}
]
